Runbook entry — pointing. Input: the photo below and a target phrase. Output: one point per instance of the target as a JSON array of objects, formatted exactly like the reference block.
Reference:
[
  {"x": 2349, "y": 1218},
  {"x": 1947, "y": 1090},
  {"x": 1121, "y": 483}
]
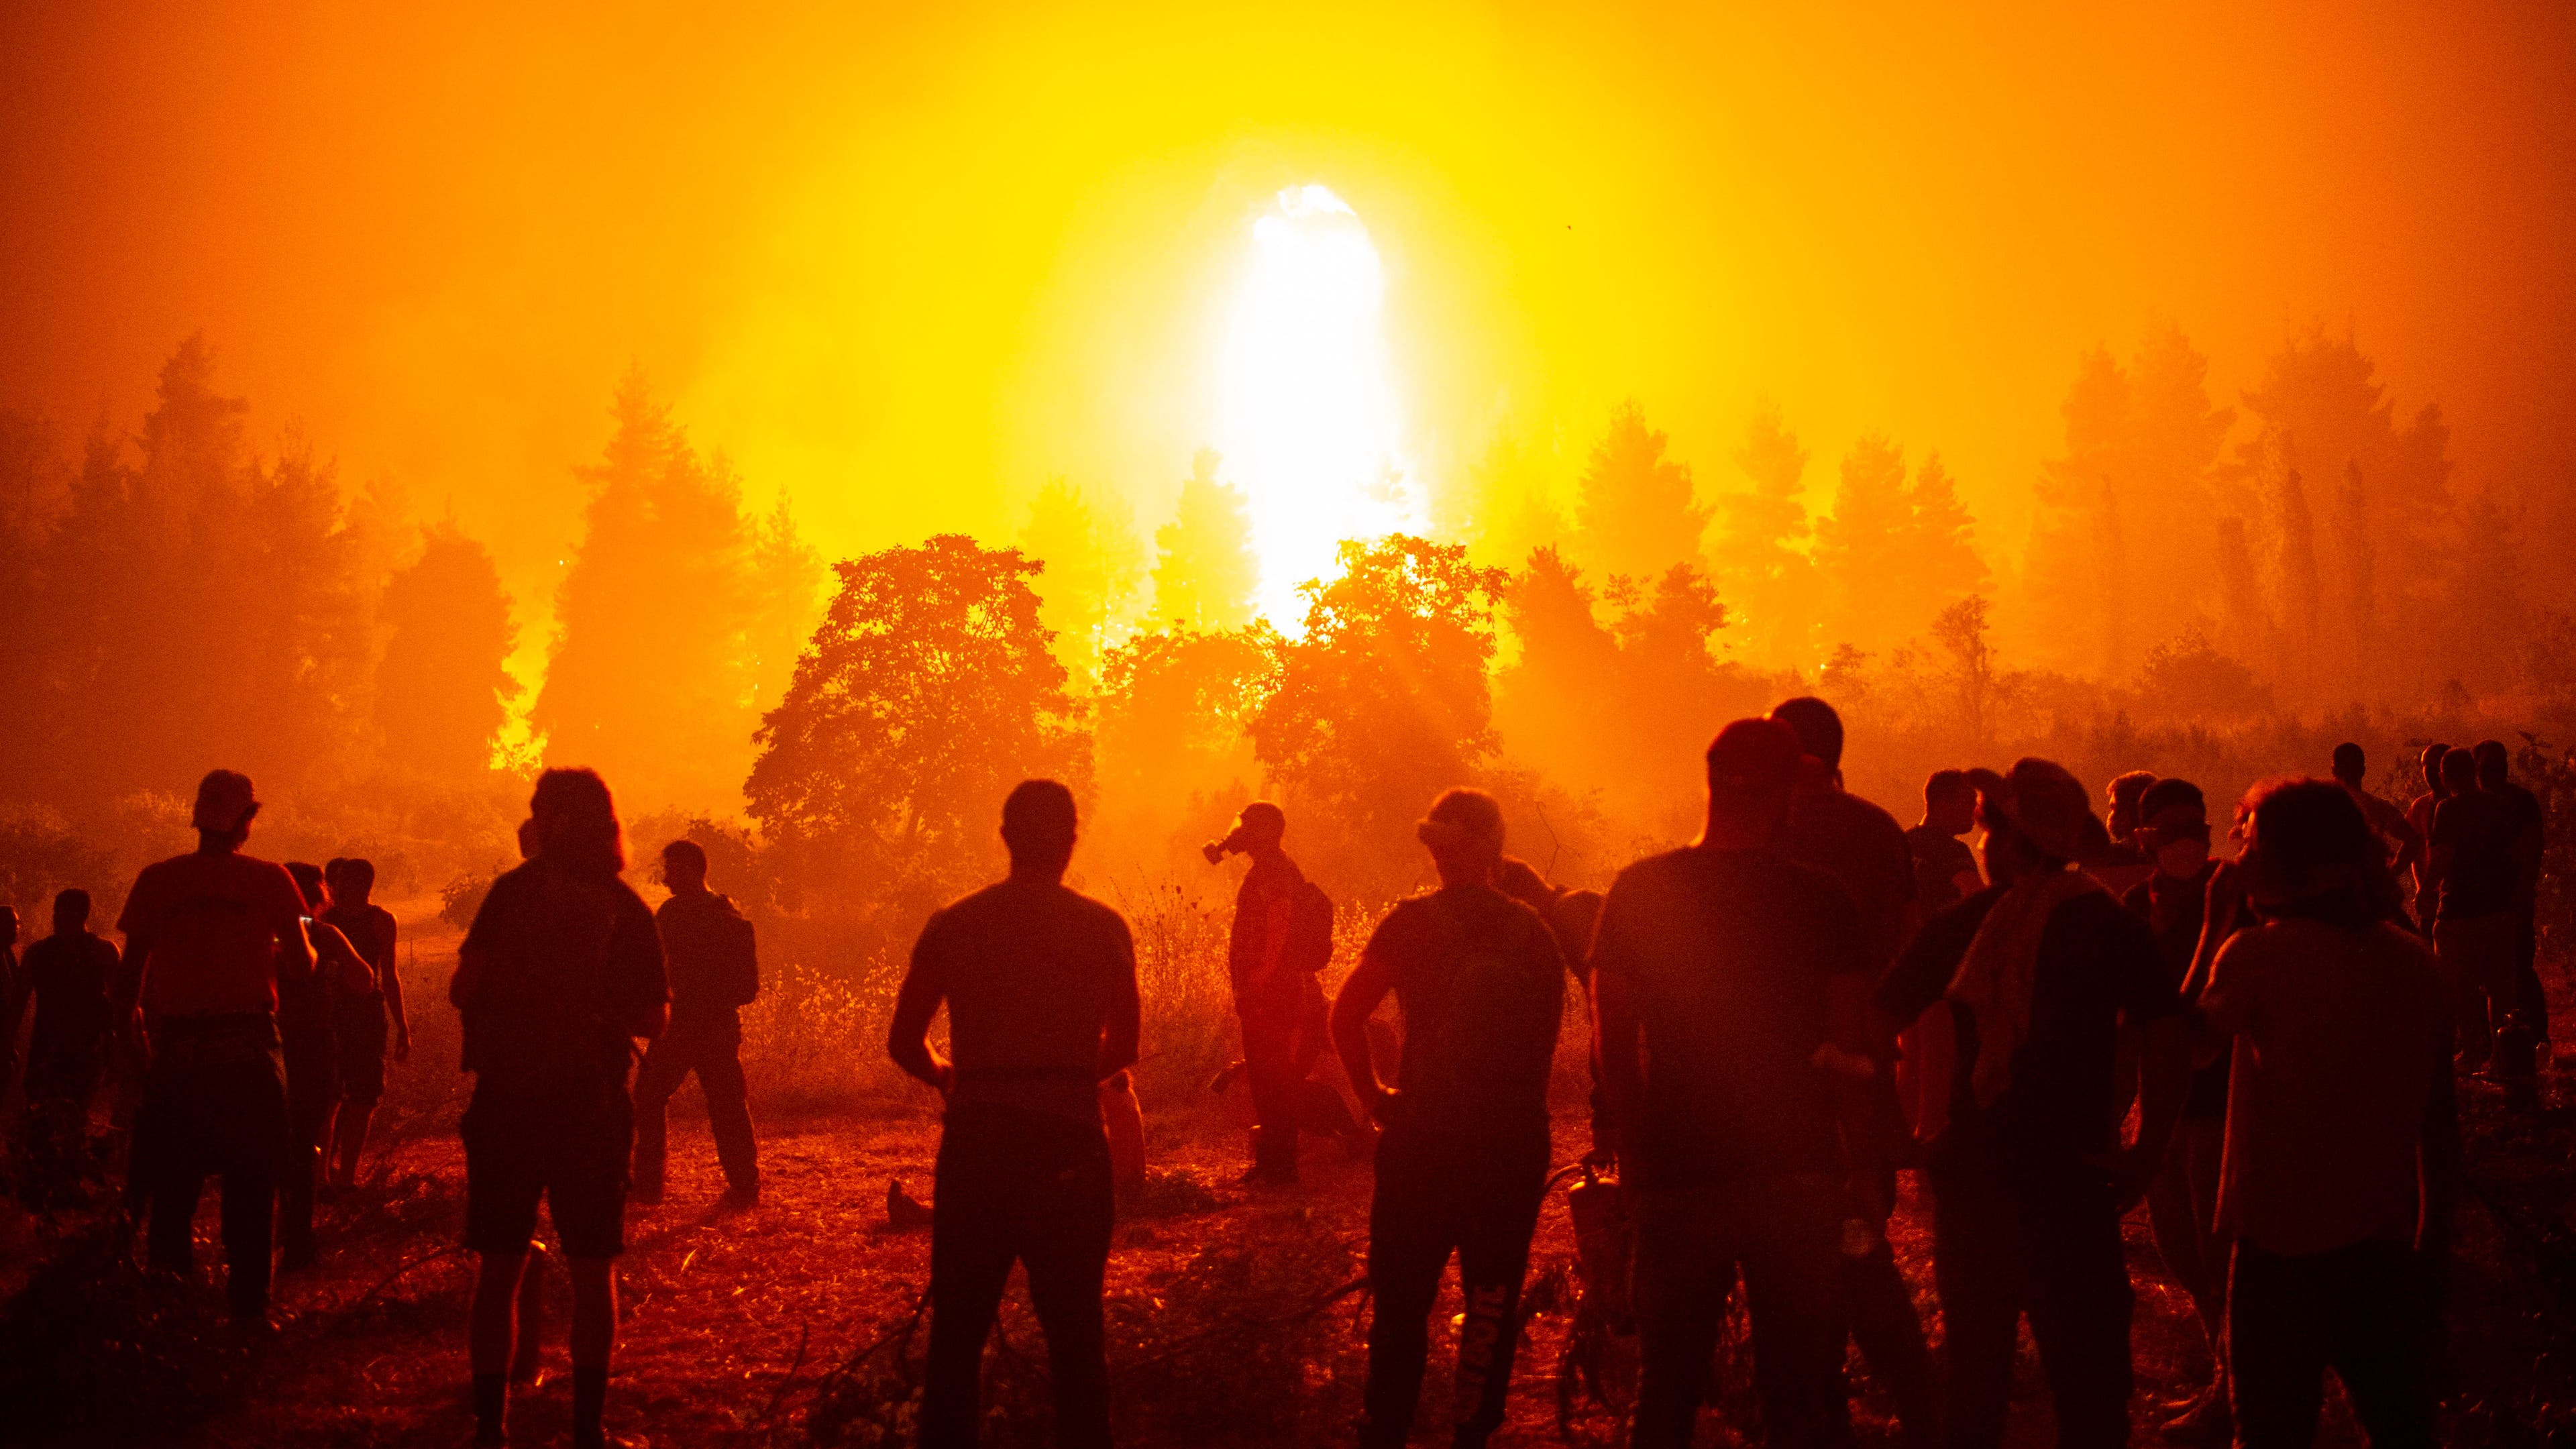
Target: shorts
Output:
[
  {"x": 570, "y": 1153},
  {"x": 360, "y": 1029}
]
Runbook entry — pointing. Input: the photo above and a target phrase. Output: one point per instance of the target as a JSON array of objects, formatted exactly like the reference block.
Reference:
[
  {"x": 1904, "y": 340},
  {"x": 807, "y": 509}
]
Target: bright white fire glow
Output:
[{"x": 1308, "y": 419}]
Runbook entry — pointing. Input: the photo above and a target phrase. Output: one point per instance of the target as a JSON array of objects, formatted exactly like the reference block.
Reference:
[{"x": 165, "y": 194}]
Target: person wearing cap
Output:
[
  {"x": 2342, "y": 1132},
  {"x": 1040, "y": 985},
  {"x": 208, "y": 938},
  {"x": 1282, "y": 935},
  {"x": 2399, "y": 840},
  {"x": 1463, "y": 1163},
  {"x": 2038, "y": 973},
  {"x": 2182, "y": 1202},
  {"x": 1726, "y": 982},
  {"x": 1862, "y": 846},
  {"x": 558, "y": 976}
]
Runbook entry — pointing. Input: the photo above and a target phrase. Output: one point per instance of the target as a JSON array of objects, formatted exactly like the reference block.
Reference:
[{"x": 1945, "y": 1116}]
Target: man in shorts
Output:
[
  {"x": 209, "y": 936},
  {"x": 559, "y": 974},
  {"x": 361, "y": 1017},
  {"x": 1040, "y": 985}
]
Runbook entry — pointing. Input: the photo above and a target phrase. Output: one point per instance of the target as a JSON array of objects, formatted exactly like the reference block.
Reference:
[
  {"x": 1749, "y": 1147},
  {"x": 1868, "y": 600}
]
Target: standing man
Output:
[
  {"x": 1862, "y": 846},
  {"x": 1040, "y": 985},
  {"x": 2531, "y": 844},
  {"x": 1463, "y": 1164},
  {"x": 559, "y": 974},
  {"x": 362, "y": 1016},
  {"x": 1945, "y": 870},
  {"x": 714, "y": 965},
  {"x": 308, "y": 1018},
  {"x": 13, "y": 994},
  {"x": 68, "y": 975},
  {"x": 1723, "y": 976},
  {"x": 2399, "y": 841},
  {"x": 2343, "y": 1142},
  {"x": 2474, "y": 871},
  {"x": 209, "y": 936},
  {"x": 2419, "y": 816},
  {"x": 1283, "y": 935},
  {"x": 2040, "y": 972}
]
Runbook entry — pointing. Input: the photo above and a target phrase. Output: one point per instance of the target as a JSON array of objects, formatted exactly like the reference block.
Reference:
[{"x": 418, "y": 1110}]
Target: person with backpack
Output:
[
  {"x": 714, "y": 965},
  {"x": 1282, "y": 936},
  {"x": 1463, "y": 1164},
  {"x": 558, "y": 976}
]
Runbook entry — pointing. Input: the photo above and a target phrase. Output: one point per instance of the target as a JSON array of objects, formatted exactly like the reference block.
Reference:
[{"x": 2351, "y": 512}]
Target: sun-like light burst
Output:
[{"x": 1309, "y": 420}]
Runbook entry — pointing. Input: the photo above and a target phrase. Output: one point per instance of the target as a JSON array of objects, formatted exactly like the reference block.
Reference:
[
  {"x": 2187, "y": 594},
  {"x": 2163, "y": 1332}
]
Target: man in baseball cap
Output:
[{"x": 207, "y": 937}]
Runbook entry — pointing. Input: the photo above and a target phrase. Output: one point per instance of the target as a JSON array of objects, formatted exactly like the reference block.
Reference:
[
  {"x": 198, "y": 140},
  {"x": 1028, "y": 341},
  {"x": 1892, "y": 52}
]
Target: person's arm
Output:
[
  {"x": 1122, "y": 1029},
  {"x": 339, "y": 960},
  {"x": 2410, "y": 841},
  {"x": 1368, "y": 985},
  {"x": 391, "y": 975},
  {"x": 295, "y": 958},
  {"x": 1616, "y": 1025},
  {"x": 2164, "y": 1083},
  {"x": 915, "y": 1005}
]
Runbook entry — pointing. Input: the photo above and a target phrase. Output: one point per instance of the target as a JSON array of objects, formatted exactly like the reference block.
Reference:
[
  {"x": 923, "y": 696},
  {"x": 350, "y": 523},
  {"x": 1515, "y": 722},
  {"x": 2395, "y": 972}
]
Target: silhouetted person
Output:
[
  {"x": 714, "y": 965},
  {"x": 13, "y": 994},
  {"x": 308, "y": 1017},
  {"x": 1723, "y": 974},
  {"x": 2399, "y": 840},
  {"x": 2419, "y": 815},
  {"x": 1040, "y": 985},
  {"x": 559, "y": 974},
  {"x": 1945, "y": 869},
  {"x": 1463, "y": 1163},
  {"x": 68, "y": 977},
  {"x": 362, "y": 1015},
  {"x": 2182, "y": 1201},
  {"x": 1282, "y": 936},
  {"x": 2038, "y": 973},
  {"x": 2111, "y": 852},
  {"x": 2342, "y": 1144},
  {"x": 2531, "y": 844},
  {"x": 1863, "y": 847},
  {"x": 2475, "y": 869},
  {"x": 209, "y": 938}
]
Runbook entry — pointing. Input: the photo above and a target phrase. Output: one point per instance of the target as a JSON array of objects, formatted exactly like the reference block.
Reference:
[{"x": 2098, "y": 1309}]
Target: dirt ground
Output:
[{"x": 1235, "y": 1318}]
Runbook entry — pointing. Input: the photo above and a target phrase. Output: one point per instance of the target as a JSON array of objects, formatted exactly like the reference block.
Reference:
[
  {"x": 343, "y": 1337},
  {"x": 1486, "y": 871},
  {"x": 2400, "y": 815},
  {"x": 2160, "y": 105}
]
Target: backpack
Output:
[
  {"x": 1310, "y": 930},
  {"x": 734, "y": 967}
]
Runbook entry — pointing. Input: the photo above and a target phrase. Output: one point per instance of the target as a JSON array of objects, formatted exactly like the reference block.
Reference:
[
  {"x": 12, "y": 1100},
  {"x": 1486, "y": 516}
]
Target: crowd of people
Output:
[{"x": 2073, "y": 1018}]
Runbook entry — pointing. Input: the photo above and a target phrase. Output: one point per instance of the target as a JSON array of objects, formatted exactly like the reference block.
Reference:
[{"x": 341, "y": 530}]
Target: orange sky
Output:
[{"x": 907, "y": 264}]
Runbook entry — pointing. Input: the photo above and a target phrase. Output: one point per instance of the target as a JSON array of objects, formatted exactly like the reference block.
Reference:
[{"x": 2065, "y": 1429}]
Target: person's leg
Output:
[
  {"x": 1065, "y": 1253},
  {"x": 729, "y": 1110},
  {"x": 308, "y": 1108},
  {"x": 2274, "y": 1365},
  {"x": 1978, "y": 1271},
  {"x": 1269, "y": 1047},
  {"x": 1409, "y": 1244},
  {"x": 1679, "y": 1279},
  {"x": 2080, "y": 1306},
  {"x": 1793, "y": 1269},
  {"x": 491, "y": 1336},
  {"x": 2526, "y": 971},
  {"x": 349, "y": 1141},
  {"x": 504, "y": 1182},
  {"x": 1493, "y": 1257},
  {"x": 2464, "y": 976},
  {"x": 594, "y": 1340},
  {"x": 974, "y": 1219},
  {"x": 586, "y": 1197},
  {"x": 666, "y": 1063},
  {"x": 247, "y": 1105},
  {"x": 2370, "y": 1309},
  {"x": 1880, "y": 1306}
]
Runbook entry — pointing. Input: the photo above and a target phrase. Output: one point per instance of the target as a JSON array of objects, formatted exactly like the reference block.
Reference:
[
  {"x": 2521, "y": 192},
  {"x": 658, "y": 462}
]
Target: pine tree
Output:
[
  {"x": 1942, "y": 564},
  {"x": 1507, "y": 513},
  {"x": 1205, "y": 571},
  {"x": 1861, "y": 545},
  {"x": 1093, "y": 566},
  {"x": 442, "y": 692},
  {"x": 1634, "y": 513},
  {"x": 2301, "y": 590},
  {"x": 1758, "y": 555},
  {"x": 786, "y": 582}
]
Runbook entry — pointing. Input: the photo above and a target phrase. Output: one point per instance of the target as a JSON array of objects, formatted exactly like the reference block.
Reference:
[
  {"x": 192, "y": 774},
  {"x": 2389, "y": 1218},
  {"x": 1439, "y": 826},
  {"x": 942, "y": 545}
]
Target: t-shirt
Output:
[
  {"x": 69, "y": 976},
  {"x": 2174, "y": 910},
  {"x": 2484, "y": 874},
  {"x": 1940, "y": 858},
  {"x": 570, "y": 974},
  {"x": 1863, "y": 847},
  {"x": 701, "y": 934},
  {"x": 213, "y": 919},
  {"x": 2339, "y": 1036},
  {"x": 1727, "y": 955},
  {"x": 1032, "y": 974},
  {"x": 2097, "y": 966},
  {"x": 2531, "y": 828},
  {"x": 1481, "y": 985}
]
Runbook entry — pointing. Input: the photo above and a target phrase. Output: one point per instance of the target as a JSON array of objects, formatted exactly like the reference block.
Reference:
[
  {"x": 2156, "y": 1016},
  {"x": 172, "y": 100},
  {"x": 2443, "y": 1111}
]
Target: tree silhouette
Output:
[
  {"x": 1634, "y": 512},
  {"x": 1205, "y": 572},
  {"x": 1503, "y": 512},
  {"x": 929, "y": 689},
  {"x": 1861, "y": 547},
  {"x": 1759, "y": 552},
  {"x": 442, "y": 693},
  {"x": 1093, "y": 567}
]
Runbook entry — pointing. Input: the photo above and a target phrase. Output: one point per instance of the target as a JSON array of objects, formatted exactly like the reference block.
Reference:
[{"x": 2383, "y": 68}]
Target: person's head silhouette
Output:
[
  {"x": 1818, "y": 728},
  {"x": 1464, "y": 833},
  {"x": 71, "y": 911},
  {"x": 1753, "y": 767},
  {"x": 572, "y": 823},
  {"x": 1038, "y": 829},
  {"x": 225, "y": 806},
  {"x": 684, "y": 867}
]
